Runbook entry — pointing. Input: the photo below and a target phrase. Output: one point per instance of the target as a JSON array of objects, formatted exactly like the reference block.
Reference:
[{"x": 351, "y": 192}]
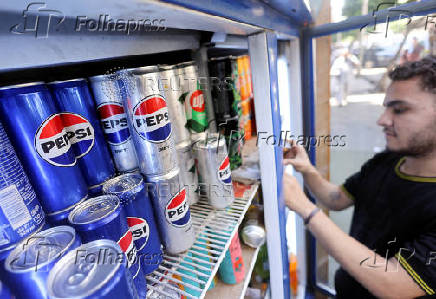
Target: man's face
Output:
[{"x": 409, "y": 120}]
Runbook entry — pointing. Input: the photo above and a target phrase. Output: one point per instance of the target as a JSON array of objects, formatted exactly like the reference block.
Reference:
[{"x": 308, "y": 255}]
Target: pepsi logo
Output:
[
  {"x": 197, "y": 101},
  {"x": 140, "y": 231},
  {"x": 113, "y": 120},
  {"x": 224, "y": 173},
  {"x": 126, "y": 245},
  {"x": 63, "y": 138},
  {"x": 151, "y": 120},
  {"x": 177, "y": 210}
]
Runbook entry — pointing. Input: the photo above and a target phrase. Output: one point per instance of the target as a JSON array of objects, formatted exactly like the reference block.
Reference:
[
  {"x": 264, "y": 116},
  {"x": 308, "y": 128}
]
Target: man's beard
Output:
[{"x": 420, "y": 145}]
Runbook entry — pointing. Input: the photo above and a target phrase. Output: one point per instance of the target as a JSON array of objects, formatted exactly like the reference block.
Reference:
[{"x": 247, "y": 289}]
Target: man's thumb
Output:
[{"x": 288, "y": 162}]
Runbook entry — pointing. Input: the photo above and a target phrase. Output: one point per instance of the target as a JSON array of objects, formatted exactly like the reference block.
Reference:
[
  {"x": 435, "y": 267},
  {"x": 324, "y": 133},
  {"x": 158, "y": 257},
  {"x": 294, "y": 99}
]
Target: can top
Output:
[
  {"x": 142, "y": 70},
  {"x": 166, "y": 176},
  {"x": 221, "y": 58},
  {"x": 85, "y": 270},
  {"x": 165, "y": 67},
  {"x": 40, "y": 249},
  {"x": 183, "y": 144},
  {"x": 67, "y": 81},
  {"x": 104, "y": 208},
  {"x": 210, "y": 141},
  {"x": 168, "y": 71},
  {"x": 103, "y": 77},
  {"x": 253, "y": 235},
  {"x": 185, "y": 64},
  {"x": 124, "y": 186},
  {"x": 22, "y": 85}
]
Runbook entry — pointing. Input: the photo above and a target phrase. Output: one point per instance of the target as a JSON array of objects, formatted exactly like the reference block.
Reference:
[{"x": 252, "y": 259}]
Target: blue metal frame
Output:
[
  {"x": 275, "y": 111},
  {"x": 422, "y": 8},
  {"x": 309, "y": 130},
  {"x": 263, "y": 55},
  {"x": 296, "y": 9},
  {"x": 308, "y": 91},
  {"x": 252, "y": 12}
]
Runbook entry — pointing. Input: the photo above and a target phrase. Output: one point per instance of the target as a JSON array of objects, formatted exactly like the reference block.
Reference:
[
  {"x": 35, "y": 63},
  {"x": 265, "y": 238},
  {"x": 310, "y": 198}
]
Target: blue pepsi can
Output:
[
  {"x": 5, "y": 292},
  {"x": 94, "y": 270},
  {"x": 20, "y": 212},
  {"x": 4, "y": 253},
  {"x": 95, "y": 162},
  {"x": 61, "y": 217},
  {"x": 28, "y": 265},
  {"x": 43, "y": 142},
  {"x": 131, "y": 190},
  {"x": 113, "y": 120},
  {"x": 103, "y": 218}
]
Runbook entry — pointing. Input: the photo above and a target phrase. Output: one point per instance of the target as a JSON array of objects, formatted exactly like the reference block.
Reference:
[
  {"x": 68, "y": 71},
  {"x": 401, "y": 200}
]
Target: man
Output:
[
  {"x": 342, "y": 69},
  {"x": 391, "y": 249},
  {"x": 415, "y": 52}
]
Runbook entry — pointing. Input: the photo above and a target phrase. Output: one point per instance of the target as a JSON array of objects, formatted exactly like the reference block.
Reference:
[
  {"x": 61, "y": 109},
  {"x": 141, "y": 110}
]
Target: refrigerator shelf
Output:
[{"x": 191, "y": 273}]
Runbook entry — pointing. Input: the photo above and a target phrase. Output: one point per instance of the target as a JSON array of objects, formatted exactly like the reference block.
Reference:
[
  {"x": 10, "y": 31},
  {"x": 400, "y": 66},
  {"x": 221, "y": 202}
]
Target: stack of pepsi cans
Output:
[
  {"x": 108, "y": 162},
  {"x": 21, "y": 214},
  {"x": 152, "y": 130},
  {"x": 59, "y": 141},
  {"x": 176, "y": 90}
]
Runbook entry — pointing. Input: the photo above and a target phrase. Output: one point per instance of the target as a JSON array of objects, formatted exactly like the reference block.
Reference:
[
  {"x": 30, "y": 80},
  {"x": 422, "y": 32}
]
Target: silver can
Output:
[
  {"x": 172, "y": 82},
  {"x": 149, "y": 119},
  {"x": 188, "y": 171},
  {"x": 97, "y": 269},
  {"x": 172, "y": 211},
  {"x": 253, "y": 234},
  {"x": 214, "y": 175},
  {"x": 113, "y": 119}
]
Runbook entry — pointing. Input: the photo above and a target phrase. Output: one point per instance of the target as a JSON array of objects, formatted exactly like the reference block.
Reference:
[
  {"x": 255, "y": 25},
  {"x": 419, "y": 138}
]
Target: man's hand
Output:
[
  {"x": 294, "y": 196},
  {"x": 296, "y": 156}
]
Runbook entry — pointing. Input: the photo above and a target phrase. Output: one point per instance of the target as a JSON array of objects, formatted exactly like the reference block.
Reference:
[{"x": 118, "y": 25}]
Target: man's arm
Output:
[
  {"x": 326, "y": 193},
  {"x": 388, "y": 280}
]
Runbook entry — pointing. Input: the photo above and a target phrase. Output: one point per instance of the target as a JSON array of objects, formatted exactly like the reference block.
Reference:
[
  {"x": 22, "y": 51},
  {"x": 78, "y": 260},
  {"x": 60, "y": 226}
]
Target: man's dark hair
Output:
[{"x": 425, "y": 69}]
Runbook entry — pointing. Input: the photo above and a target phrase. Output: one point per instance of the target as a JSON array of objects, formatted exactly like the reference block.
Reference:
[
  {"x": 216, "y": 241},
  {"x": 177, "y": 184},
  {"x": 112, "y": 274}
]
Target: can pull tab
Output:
[{"x": 81, "y": 275}]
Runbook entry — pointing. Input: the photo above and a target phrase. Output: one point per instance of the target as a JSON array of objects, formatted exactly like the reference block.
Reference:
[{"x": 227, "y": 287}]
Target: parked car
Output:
[{"x": 377, "y": 56}]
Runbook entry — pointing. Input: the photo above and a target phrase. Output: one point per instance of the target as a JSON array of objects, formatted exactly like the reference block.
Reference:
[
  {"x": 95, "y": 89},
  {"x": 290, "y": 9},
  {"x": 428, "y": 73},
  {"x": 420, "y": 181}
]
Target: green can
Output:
[{"x": 193, "y": 98}]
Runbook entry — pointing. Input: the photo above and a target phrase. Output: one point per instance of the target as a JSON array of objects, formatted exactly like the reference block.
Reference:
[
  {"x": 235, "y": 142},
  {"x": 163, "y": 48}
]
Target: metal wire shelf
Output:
[{"x": 190, "y": 274}]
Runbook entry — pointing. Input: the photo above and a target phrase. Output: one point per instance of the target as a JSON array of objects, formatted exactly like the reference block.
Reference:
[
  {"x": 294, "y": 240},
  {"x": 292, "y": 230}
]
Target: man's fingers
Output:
[
  {"x": 289, "y": 153},
  {"x": 288, "y": 162},
  {"x": 291, "y": 143}
]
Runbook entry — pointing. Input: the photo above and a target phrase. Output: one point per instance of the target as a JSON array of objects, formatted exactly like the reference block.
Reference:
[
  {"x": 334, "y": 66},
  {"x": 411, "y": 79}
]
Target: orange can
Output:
[
  {"x": 247, "y": 129},
  {"x": 242, "y": 78},
  {"x": 246, "y": 107},
  {"x": 248, "y": 81},
  {"x": 293, "y": 274}
]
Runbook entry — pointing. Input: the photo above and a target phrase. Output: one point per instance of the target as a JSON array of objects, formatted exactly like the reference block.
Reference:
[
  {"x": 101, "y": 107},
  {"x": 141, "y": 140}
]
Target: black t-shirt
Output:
[{"x": 395, "y": 215}]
